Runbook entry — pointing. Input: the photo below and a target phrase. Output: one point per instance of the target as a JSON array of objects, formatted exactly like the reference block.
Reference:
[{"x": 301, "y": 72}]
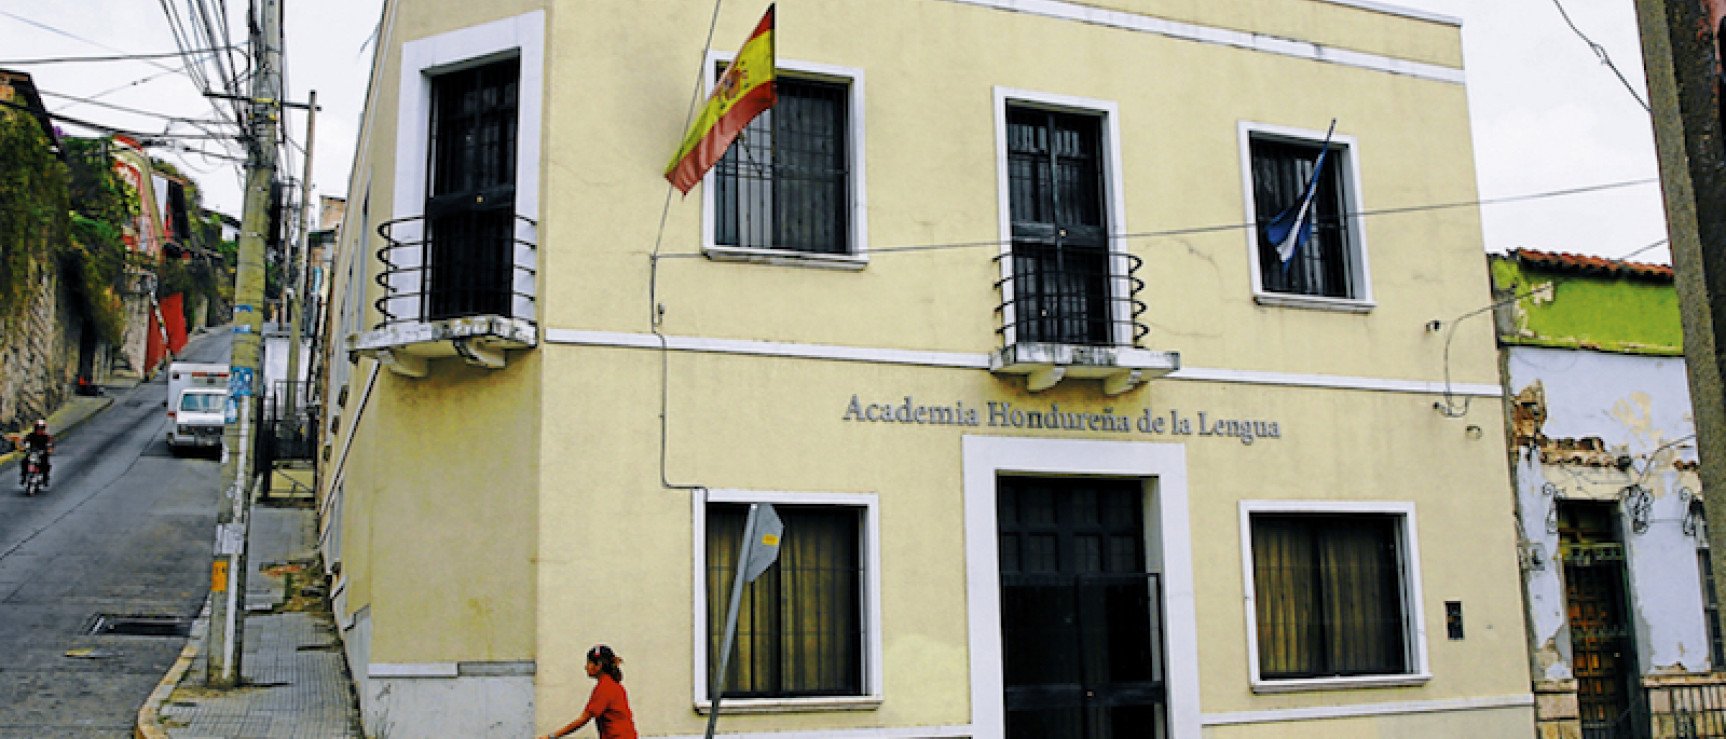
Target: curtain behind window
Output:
[
  {"x": 1328, "y": 595},
  {"x": 799, "y": 628}
]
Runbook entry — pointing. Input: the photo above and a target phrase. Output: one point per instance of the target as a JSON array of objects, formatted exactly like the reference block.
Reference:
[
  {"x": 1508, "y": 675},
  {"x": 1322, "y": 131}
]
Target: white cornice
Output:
[
  {"x": 967, "y": 360},
  {"x": 1059, "y": 9}
]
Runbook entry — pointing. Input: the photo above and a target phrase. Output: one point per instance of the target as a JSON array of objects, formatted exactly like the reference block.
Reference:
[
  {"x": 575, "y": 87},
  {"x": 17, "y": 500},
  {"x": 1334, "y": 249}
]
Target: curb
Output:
[
  {"x": 149, "y": 724},
  {"x": 65, "y": 429}
]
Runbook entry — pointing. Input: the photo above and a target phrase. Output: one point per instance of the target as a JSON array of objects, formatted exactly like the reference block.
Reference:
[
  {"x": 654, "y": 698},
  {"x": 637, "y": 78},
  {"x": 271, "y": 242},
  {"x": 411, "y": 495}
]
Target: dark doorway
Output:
[
  {"x": 1603, "y": 657},
  {"x": 1081, "y": 618}
]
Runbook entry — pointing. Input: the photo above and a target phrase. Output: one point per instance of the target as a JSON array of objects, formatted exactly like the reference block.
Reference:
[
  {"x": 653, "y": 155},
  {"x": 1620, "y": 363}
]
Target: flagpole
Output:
[{"x": 716, "y": 687}]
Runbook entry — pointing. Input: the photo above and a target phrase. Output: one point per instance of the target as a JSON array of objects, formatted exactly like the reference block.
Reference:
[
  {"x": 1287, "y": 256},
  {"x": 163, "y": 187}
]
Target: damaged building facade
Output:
[{"x": 1608, "y": 502}]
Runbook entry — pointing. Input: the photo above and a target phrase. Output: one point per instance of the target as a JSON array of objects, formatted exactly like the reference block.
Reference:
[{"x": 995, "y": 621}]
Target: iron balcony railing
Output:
[
  {"x": 1068, "y": 295},
  {"x": 469, "y": 264}
]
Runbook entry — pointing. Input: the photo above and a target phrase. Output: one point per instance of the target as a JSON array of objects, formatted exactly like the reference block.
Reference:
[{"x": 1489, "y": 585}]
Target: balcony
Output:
[
  {"x": 1074, "y": 314},
  {"x": 461, "y": 286}
]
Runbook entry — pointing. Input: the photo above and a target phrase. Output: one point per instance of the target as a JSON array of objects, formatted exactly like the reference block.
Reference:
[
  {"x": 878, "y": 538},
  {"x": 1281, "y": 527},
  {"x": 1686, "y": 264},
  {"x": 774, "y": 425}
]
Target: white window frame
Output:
[
  {"x": 1121, "y": 318},
  {"x": 521, "y": 36},
  {"x": 354, "y": 293},
  {"x": 1343, "y": 150},
  {"x": 1413, "y": 601},
  {"x": 857, "y": 254},
  {"x": 870, "y": 558}
]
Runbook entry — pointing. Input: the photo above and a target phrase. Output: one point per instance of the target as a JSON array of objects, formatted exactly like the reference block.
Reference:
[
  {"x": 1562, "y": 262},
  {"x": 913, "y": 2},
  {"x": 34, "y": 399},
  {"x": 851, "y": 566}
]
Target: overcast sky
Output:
[{"x": 1547, "y": 114}]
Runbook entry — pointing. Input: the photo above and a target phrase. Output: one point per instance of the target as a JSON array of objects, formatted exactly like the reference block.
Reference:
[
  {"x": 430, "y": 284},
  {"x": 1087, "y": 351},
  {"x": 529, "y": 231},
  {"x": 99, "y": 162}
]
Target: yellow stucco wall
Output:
[
  {"x": 440, "y": 492},
  {"x": 524, "y": 505},
  {"x": 776, "y": 425},
  {"x": 931, "y": 153}
]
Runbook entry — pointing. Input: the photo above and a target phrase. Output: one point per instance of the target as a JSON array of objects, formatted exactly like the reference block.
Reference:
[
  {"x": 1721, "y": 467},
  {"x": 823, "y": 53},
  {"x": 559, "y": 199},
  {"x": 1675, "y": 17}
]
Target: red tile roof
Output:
[{"x": 1584, "y": 264}]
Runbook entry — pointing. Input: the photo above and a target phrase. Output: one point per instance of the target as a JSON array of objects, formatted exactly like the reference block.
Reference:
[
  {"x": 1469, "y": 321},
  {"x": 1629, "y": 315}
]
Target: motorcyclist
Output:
[{"x": 38, "y": 439}]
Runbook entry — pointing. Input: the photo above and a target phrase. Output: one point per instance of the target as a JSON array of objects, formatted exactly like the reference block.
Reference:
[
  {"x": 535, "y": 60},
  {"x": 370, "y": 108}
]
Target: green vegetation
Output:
[
  {"x": 73, "y": 214},
  {"x": 95, "y": 258},
  {"x": 34, "y": 202}
]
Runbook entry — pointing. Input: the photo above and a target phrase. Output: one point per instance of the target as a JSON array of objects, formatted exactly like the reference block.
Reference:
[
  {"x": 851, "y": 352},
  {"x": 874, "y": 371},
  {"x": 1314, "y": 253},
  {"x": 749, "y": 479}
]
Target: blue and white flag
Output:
[{"x": 1292, "y": 228}]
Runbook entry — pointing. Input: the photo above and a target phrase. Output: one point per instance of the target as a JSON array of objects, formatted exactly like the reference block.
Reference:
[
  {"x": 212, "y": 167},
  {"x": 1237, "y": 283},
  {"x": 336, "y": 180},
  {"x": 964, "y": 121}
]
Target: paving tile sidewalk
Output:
[{"x": 295, "y": 681}]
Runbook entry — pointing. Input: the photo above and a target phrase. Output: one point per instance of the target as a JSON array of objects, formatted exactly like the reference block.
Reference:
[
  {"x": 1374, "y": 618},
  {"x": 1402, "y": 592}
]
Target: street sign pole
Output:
[{"x": 716, "y": 686}]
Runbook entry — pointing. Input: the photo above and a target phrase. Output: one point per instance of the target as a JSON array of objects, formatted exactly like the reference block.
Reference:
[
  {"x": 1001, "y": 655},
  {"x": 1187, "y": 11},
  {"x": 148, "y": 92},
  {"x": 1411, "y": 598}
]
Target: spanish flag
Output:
[{"x": 742, "y": 93}]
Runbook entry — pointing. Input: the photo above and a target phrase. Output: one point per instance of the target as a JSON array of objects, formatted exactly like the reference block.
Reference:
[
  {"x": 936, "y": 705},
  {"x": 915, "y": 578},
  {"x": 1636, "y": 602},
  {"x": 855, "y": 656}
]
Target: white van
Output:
[{"x": 197, "y": 400}]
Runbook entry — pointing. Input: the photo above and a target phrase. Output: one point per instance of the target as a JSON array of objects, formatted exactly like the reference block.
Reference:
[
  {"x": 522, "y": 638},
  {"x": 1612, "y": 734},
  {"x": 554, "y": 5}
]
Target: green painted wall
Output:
[{"x": 1613, "y": 314}]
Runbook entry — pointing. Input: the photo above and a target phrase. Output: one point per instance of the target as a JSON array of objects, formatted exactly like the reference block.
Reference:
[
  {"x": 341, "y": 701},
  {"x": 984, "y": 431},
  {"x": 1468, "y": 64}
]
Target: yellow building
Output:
[{"x": 1062, "y": 443}]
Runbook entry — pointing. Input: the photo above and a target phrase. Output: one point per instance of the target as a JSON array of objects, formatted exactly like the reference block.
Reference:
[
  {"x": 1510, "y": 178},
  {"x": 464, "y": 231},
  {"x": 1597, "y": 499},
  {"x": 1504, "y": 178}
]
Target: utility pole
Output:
[
  {"x": 1682, "y": 57},
  {"x": 228, "y": 571},
  {"x": 297, "y": 266}
]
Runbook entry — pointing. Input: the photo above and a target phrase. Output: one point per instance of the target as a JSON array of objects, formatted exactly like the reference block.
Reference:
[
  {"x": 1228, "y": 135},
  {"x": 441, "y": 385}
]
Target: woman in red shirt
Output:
[{"x": 609, "y": 704}]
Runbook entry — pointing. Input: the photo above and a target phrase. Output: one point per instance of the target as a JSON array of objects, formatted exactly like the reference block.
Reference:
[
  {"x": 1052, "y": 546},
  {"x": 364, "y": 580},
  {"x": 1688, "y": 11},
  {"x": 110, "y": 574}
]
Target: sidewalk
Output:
[
  {"x": 72, "y": 413},
  {"x": 295, "y": 681}
]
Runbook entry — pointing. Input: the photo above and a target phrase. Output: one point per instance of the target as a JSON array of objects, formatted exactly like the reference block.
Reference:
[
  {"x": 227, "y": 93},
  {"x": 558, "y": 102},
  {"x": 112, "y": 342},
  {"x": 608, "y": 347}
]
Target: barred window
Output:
[
  {"x": 1326, "y": 265},
  {"x": 1328, "y": 595},
  {"x": 800, "y": 628},
  {"x": 470, "y": 199},
  {"x": 1710, "y": 601},
  {"x": 785, "y": 182}
]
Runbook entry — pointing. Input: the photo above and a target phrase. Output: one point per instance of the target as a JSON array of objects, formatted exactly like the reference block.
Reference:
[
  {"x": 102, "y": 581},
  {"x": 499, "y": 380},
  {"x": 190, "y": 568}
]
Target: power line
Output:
[
  {"x": 108, "y": 58},
  {"x": 1600, "y": 51},
  {"x": 1224, "y": 227},
  {"x": 1626, "y": 257},
  {"x": 75, "y": 37},
  {"x": 133, "y": 83},
  {"x": 112, "y": 130},
  {"x": 125, "y": 109},
  {"x": 78, "y": 122}
]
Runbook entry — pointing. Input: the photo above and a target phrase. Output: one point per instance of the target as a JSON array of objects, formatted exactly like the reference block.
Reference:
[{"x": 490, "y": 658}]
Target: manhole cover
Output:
[{"x": 139, "y": 625}]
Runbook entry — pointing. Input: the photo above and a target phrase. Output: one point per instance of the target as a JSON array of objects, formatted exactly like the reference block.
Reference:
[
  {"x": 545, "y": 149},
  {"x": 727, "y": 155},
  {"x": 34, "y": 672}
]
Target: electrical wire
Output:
[
  {"x": 656, "y": 311},
  {"x": 182, "y": 41},
  {"x": 78, "y": 122},
  {"x": 1243, "y": 226},
  {"x": 1606, "y": 59},
  {"x": 209, "y": 35},
  {"x": 1448, "y": 407},
  {"x": 1649, "y": 466},
  {"x": 109, "y": 58},
  {"x": 133, "y": 83},
  {"x": 67, "y": 34},
  {"x": 125, "y": 109},
  {"x": 1663, "y": 240}
]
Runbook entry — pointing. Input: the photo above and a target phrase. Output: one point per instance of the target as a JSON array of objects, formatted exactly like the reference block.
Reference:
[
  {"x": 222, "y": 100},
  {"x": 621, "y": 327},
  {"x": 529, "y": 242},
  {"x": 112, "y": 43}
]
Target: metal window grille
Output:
[
  {"x": 1686, "y": 712},
  {"x": 1325, "y": 265},
  {"x": 785, "y": 182},
  {"x": 1328, "y": 594},
  {"x": 1711, "y": 606},
  {"x": 1060, "y": 281},
  {"x": 800, "y": 629},
  {"x": 470, "y": 202}
]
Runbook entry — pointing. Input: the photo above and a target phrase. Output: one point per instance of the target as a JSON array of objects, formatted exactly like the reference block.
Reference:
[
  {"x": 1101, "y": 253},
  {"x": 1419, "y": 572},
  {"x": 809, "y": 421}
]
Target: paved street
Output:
[{"x": 125, "y": 532}]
